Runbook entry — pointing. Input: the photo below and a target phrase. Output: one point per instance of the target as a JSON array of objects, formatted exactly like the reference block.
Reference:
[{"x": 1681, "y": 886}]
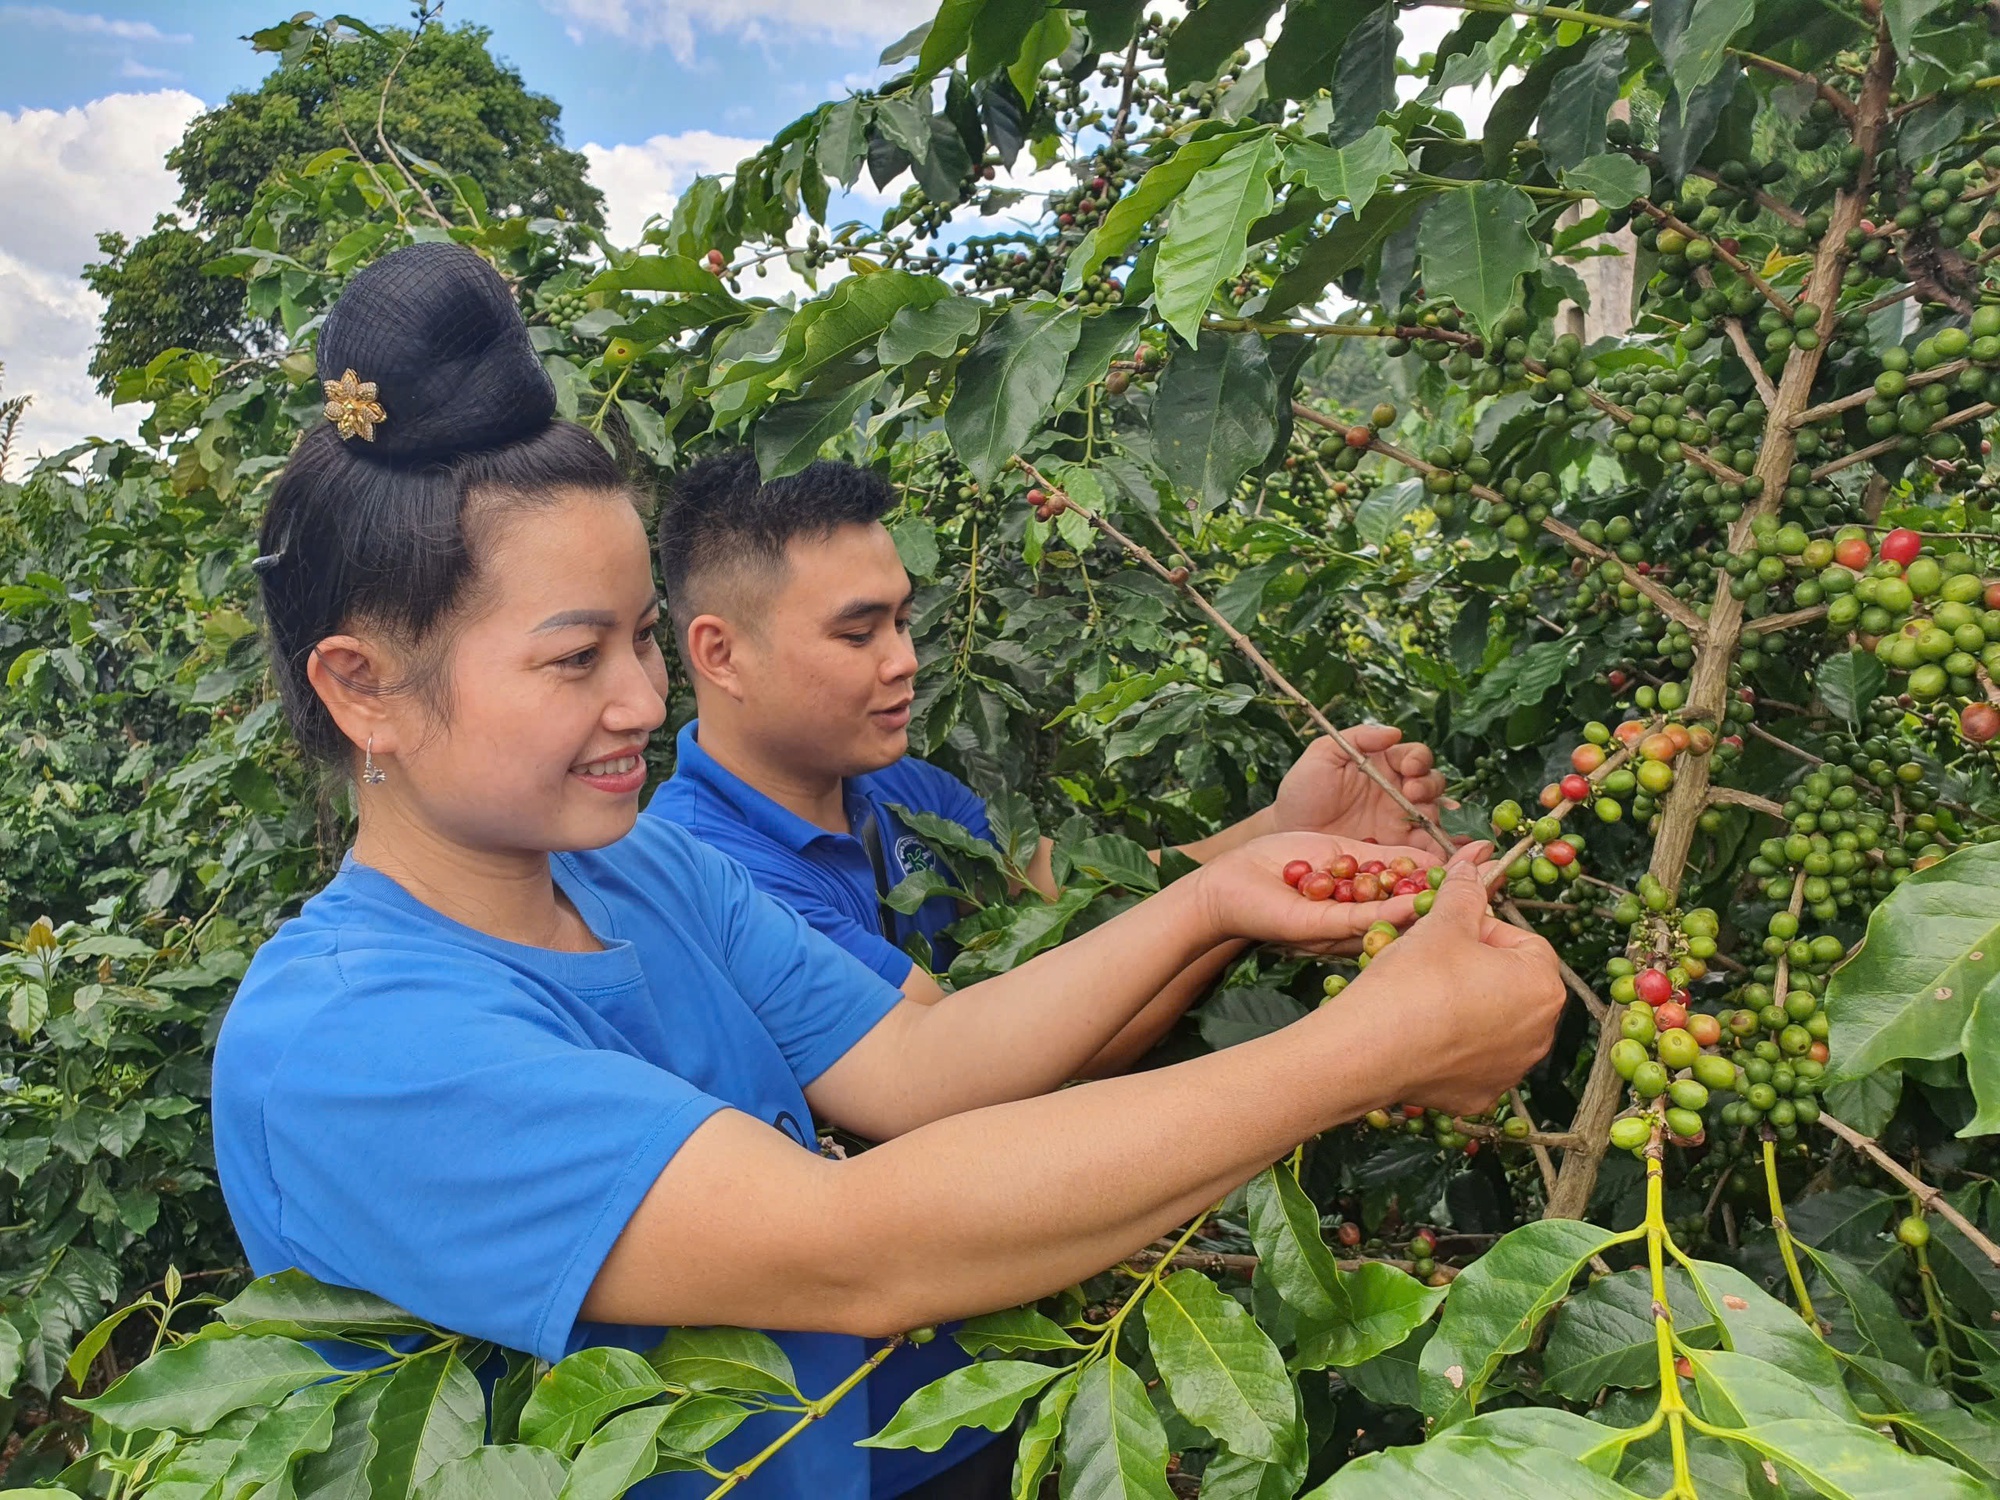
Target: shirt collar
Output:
[{"x": 749, "y": 806}]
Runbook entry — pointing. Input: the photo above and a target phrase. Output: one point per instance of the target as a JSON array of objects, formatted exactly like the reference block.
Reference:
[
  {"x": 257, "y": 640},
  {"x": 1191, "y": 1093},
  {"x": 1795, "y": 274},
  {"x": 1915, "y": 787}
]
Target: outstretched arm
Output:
[
  {"x": 1016, "y": 1200},
  {"x": 1033, "y": 1029}
]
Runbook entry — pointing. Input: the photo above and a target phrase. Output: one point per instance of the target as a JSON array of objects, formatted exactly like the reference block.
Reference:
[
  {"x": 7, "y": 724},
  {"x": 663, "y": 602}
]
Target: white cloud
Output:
[
  {"x": 674, "y": 23},
  {"x": 639, "y": 181},
  {"x": 65, "y": 175},
  {"x": 83, "y": 23}
]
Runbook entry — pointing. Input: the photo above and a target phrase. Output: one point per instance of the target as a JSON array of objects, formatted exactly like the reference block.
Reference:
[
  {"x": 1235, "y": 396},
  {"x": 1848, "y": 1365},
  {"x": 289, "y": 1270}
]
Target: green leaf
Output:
[
  {"x": 1868, "y": 1104},
  {"x": 1160, "y": 186},
  {"x": 1105, "y": 336},
  {"x": 293, "y": 1304},
  {"x": 192, "y": 1386},
  {"x": 1036, "y": 1454},
  {"x": 1613, "y": 179},
  {"x": 1926, "y": 983},
  {"x": 1850, "y": 682},
  {"x": 1232, "y": 1016},
  {"x": 618, "y": 1455},
  {"x": 850, "y": 320},
  {"x": 1474, "y": 247},
  {"x": 1572, "y": 120},
  {"x": 1206, "y": 37},
  {"x": 1874, "y": 1323},
  {"x": 1345, "y": 1318},
  {"x": 10, "y": 1356},
  {"x": 1903, "y": 18},
  {"x": 1115, "y": 860},
  {"x": 1495, "y": 1305},
  {"x": 999, "y": 27},
  {"x": 1214, "y": 416},
  {"x": 724, "y": 1359},
  {"x": 936, "y": 329},
  {"x": 657, "y": 273},
  {"x": 1603, "y": 1335},
  {"x": 1222, "y": 1371},
  {"x": 1015, "y": 1328},
  {"x": 1007, "y": 381},
  {"x": 431, "y": 1412},
  {"x": 1551, "y": 1427},
  {"x": 696, "y": 1424},
  {"x": 790, "y": 435},
  {"x": 1452, "y": 1465},
  {"x": 1349, "y": 175},
  {"x": 1695, "y": 52},
  {"x": 341, "y": 1471},
  {"x": 1846, "y": 1461},
  {"x": 510, "y": 1471},
  {"x": 1208, "y": 235},
  {"x": 1739, "y": 1391},
  {"x": 27, "y": 1009},
  {"x": 986, "y": 1393},
  {"x": 1387, "y": 507},
  {"x": 1967, "y": 1439},
  {"x": 1303, "y": 58},
  {"x": 1113, "y": 1446},
  {"x": 582, "y": 1391},
  {"x": 944, "y": 43},
  {"x": 916, "y": 545},
  {"x": 80, "y": 1358},
  {"x": 302, "y": 1423},
  {"x": 1352, "y": 241},
  {"x": 1753, "y": 1322}
]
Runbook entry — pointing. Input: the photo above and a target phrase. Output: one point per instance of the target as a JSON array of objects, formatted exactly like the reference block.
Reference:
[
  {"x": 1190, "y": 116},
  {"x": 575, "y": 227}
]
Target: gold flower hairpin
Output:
[{"x": 352, "y": 408}]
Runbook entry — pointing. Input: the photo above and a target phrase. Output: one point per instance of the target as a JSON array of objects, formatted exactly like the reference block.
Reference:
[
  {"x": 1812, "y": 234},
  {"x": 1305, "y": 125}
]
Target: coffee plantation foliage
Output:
[{"x": 1278, "y": 401}]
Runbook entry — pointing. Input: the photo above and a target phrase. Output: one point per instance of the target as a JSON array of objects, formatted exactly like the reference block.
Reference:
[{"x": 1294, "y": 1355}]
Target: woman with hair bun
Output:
[{"x": 549, "y": 1079}]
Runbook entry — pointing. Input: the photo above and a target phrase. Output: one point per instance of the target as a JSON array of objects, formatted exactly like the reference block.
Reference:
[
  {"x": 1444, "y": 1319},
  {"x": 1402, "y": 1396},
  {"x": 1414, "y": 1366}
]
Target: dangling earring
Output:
[{"x": 371, "y": 773}]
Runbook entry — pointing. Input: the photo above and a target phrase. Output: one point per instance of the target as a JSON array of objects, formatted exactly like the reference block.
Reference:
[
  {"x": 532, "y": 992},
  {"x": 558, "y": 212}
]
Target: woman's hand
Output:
[
  {"x": 1471, "y": 1001},
  {"x": 1245, "y": 894}
]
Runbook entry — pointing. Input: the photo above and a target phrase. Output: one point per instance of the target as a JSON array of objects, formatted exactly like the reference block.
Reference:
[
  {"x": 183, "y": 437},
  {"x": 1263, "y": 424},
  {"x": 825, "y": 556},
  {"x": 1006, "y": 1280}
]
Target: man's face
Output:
[{"x": 828, "y": 672}]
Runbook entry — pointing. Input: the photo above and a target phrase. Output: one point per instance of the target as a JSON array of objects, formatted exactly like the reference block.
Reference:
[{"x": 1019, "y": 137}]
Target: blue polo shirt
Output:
[
  {"x": 465, "y": 1125},
  {"x": 829, "y": 879}
]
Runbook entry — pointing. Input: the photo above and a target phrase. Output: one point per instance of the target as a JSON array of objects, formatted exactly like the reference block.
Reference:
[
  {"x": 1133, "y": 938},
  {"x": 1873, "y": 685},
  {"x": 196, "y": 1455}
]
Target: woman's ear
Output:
[{"x": 353, "y": 677}]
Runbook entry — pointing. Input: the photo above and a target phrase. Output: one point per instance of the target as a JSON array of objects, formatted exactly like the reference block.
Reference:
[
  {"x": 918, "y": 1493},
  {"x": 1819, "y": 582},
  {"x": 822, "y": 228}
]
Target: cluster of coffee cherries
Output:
[
  {"x": 1348, "y": 878},
  {"x": 1933, "y": 618},
  {"x": 561, "y": 308}
]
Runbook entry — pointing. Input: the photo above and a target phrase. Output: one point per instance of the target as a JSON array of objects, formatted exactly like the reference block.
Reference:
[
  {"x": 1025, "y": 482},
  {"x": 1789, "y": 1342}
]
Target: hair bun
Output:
[{"x": 437, "y": 331}]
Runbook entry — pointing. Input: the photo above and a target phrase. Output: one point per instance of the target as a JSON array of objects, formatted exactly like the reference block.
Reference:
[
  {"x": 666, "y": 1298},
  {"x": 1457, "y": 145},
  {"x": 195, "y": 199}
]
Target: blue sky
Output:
[
  {"x": 622, "y": 72},
  {"x": 93, "y": 93}
]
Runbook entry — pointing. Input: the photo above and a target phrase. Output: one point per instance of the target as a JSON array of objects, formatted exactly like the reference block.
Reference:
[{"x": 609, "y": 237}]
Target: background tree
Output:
[{"x": 453, "y": 104}]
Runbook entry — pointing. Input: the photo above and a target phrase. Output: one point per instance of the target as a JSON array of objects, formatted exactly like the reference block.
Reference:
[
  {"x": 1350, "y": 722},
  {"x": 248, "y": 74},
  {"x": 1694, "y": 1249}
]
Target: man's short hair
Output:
[{"x": 721, "y": 518}]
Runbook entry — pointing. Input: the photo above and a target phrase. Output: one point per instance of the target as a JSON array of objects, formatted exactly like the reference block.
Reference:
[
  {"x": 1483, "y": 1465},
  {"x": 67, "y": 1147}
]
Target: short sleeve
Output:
[
  {"x": 815, "y": 996},
  {"x": 466, "y": 1156}
]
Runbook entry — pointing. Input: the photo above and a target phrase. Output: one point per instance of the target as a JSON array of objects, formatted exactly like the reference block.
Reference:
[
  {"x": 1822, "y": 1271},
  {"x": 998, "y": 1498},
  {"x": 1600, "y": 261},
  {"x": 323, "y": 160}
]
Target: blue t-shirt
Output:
[
  {"x": 465, "y": 1125},
  {"x": 829, "y": 879}
]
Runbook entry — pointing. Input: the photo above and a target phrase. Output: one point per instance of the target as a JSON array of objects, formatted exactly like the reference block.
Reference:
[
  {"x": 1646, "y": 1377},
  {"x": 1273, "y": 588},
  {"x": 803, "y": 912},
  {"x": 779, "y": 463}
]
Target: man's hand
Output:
[
  {"x": 1326, "y": 792},
  {"x": 1471, "y": 1001},
  {"x": 1247, "y": 897}
]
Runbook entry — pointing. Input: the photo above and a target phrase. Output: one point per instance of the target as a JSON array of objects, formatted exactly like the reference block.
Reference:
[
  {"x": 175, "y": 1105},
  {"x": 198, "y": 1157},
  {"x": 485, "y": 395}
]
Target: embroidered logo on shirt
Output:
[{"x": 912, "y": 853}]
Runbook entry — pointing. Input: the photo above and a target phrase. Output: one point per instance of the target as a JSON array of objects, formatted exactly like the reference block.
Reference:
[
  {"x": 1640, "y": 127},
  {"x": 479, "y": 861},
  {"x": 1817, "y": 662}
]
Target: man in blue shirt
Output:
[{"x": 791, "y": 612}]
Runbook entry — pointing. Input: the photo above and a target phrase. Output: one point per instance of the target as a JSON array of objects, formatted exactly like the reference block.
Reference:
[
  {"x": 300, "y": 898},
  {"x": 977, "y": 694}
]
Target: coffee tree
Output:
[{"x": 1280, "y": 398}]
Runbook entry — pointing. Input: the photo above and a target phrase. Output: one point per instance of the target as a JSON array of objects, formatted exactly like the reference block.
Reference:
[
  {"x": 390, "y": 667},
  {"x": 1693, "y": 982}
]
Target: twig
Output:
[
  {"x": 1125, "y": 98},
  {"x": 1178, "y": 579},
  {"x": 1860, "y": 455},
  {"x": 1728, "y": 257},
  {"x": 382, "y": 114},
  {"x": 1220, "y": 1263},
  {"x": 1772, "y": 624},
  {"x": 1543, "y": 1161},
  {"x": 1730, "y": 795},
  {"x": 1786, "y": 745},
  {"x": 1814, "y": 414},
  {"x": 1669, "y": 605},
  {"x": 1932, "y": 1198}
]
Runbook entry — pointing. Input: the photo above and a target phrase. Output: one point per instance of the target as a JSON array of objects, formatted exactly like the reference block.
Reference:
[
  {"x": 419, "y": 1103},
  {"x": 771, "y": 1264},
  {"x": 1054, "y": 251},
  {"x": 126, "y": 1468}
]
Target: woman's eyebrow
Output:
[
  {"x": 601, "y": 619},
  {"x": 597, "y": 619}
]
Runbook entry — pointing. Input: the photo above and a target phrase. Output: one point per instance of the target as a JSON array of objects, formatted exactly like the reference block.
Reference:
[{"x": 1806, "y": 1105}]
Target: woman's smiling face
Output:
[{"x": 549, "y": 688}]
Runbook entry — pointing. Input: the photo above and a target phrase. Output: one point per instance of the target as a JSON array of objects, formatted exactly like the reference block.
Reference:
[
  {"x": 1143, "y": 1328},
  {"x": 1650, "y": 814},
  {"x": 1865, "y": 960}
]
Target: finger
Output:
[
  {"x": 1496, "y": 932},
  {"x": 1410, "y": 760},
  {"x": 1461, "y": 900},
  {"x": 1371, "y": 739},
  {"x": 1424, "y": 789},
  {"x": 1472, "y": 851}
]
